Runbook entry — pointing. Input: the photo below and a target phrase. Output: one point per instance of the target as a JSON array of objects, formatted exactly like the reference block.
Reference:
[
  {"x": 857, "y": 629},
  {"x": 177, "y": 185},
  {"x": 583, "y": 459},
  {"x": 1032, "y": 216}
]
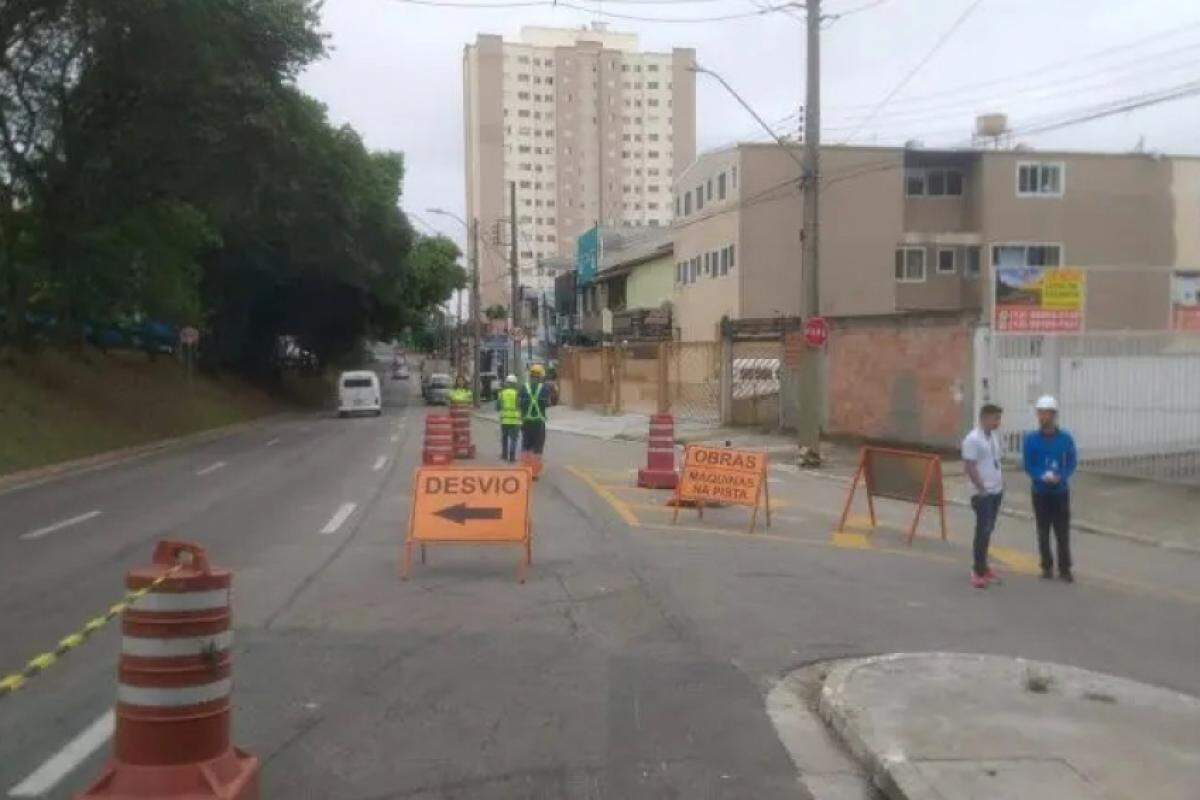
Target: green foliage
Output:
[
  {"x": 496, "y": 312},
  {"x": 156, "y": 160}
]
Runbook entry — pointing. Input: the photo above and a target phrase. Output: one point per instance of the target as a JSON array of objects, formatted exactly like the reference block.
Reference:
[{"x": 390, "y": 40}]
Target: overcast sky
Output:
[{"x": 394, "y": 72}]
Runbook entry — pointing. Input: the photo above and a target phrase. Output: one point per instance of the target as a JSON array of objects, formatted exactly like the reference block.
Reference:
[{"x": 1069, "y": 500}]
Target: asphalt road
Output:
[{"x": 633, "y": 663}]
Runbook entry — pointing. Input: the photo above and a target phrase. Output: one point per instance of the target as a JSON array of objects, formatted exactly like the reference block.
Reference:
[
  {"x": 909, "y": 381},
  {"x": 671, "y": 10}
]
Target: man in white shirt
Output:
[{"x": 981, "y": 460}]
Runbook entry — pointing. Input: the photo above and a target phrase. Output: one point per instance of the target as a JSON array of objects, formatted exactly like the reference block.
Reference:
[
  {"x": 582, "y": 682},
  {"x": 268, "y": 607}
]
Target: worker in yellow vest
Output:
[
  {"x": 534, "y": 399},
  {"x": 461, "y": 395},
  {"x": 508, "y": 403}
]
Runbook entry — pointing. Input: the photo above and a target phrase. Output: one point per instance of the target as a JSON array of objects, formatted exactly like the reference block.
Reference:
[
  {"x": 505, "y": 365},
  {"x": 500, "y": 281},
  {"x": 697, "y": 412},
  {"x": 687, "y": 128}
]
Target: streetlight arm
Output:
[
  {"x": 443, "y": 212},
  {"x": 753, "y": 113}
]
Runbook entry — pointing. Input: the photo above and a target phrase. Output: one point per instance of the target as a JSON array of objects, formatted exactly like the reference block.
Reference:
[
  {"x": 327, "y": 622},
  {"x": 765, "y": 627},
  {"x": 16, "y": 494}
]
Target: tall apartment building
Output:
[{"x": 589, "y": 129}]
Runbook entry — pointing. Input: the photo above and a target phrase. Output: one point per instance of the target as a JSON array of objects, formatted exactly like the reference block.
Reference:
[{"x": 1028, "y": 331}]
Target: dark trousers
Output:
[
  {"x": 533, "y": 437},
  {"x": 1054, "y": 511},
  {"x": 987, "y": 508},
  {"x": 508, "y": 441}
]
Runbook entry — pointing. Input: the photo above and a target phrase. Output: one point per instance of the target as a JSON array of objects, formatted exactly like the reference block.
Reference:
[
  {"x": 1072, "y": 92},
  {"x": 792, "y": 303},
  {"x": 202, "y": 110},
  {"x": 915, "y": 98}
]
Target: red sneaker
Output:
[
  {"x": 979, "y": 581},
  {"x": 992, "y": 577}
]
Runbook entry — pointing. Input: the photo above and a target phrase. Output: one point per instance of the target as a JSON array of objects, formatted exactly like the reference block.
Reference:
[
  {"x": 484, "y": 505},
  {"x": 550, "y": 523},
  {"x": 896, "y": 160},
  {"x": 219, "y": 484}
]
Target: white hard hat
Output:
[
  {"x": 511, "y": 379},
  {"x": 1046, "y": 403}
]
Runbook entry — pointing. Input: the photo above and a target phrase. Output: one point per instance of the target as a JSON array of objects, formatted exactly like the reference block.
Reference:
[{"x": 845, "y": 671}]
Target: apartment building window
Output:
[
  {"x": 523, "y": 78},
  {"x": 933, "y": 183},
  {"x": 652, "y": 102},
  {"x": 947, "y": 263},
  {"x": 700, "y": 197},
  {"x": 652, "y": 188},
  {"x": 732, "y": 252},
  {"x": 652, "y": 154},
  {"x": 652, "y": 84},
  {"x": 652, "y": 206},
  {"x": 652, "y": 137},
  {"x": 652, "y": 171},
  {"x": 678, "y": 271},
  {"x": 652, "y": 68},
  {"x": 1040, "y": 179},
  {"x": 523, "y": 148},
  {"x": 707, "y": 270},
  {"x": 708, "y": 190},
  {"x": 524, "y": 112},
  {"x": 695, "y": 268},
  {"x": 972, "y": 268},
  {"x": 721, "y": 186},
  {"x": 524, "y": 184},
  {"x": 1026, "y": 255},
  {"x": 678, "y": 206},
  {"x": 733, "y": 177},
  {"x": 724, "y": 260},
  {"x": 549, "y": 82},
  {"x": 687, "y": 203},
  {"x": 522, "y": 59},
  {"x": 910, "y": 264}
]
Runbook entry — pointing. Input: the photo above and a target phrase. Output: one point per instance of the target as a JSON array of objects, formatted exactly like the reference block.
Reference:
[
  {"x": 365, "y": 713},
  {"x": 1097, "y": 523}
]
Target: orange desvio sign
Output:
[
  {"x": 904, "y": 475},
  {"x": 469, "y": 506},
  {"x": 719, "y": 475}
]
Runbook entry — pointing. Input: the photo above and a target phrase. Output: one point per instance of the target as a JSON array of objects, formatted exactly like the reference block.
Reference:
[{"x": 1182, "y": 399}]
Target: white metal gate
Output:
[{"x": 1131, "y": 400}]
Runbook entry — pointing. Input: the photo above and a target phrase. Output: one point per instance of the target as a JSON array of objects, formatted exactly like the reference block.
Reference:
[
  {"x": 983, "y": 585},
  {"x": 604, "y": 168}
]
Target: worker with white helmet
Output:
[
  {"x": 509, "y": 406},
  {"x": 1050, "y": 460}
]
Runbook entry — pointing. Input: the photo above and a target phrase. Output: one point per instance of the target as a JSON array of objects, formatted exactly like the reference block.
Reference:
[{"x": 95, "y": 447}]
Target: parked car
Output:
[
  {"x": 437, "y": 389},
  {"x": 359, "y": 393},
  {"x": 400, "y": 372}
]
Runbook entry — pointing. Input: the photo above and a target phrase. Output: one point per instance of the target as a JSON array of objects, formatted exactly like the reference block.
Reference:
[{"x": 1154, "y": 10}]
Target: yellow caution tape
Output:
[{"x": 43, "y": 661}]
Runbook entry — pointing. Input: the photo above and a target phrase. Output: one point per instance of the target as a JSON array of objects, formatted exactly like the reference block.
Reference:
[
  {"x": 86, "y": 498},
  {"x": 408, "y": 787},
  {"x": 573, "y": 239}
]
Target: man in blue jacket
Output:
[{"x": 1050, "y": 461}]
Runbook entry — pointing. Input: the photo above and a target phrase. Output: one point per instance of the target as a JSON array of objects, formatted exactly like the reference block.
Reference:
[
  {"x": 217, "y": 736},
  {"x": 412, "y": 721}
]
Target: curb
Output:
[
  {"x": 1076, "y": 524},
  {"x": 111, "y": 458}
]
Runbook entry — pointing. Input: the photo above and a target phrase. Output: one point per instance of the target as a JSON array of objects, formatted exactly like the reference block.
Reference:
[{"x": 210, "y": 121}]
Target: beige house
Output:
[
  {"x": 588, "y": 128},
  {"x": 912, "y": 230},
  {"x": 635, "y": 275}
]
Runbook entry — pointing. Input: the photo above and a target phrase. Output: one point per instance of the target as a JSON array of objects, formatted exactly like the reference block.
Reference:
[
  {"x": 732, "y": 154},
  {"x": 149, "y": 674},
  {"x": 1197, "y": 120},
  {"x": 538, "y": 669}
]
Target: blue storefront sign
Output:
[{"x": 587, "y": 255}]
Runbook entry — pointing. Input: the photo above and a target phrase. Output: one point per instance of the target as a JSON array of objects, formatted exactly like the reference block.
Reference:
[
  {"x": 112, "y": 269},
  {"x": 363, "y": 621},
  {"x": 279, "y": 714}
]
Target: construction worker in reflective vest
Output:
[
  {"x": 461, "y": 395},
  {"x": 508, "y": 403},
  {"x": 535, "y": 397}
]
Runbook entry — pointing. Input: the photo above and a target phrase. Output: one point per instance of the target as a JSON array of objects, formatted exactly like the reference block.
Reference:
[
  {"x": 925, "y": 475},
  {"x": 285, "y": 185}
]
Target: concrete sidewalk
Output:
[
  {"x": 1147, "y": 512},
  {"x": 947, "y": 725}
]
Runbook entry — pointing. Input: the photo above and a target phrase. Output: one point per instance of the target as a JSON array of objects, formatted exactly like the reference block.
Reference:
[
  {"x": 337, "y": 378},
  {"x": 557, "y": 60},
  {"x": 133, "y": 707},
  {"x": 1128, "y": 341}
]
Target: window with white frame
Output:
[
  {"x": 947, "y": 263},
  {"x": 721, "y": 186},
  {"x": 1040, "y": 179},
  {"x": 910, "y": 264},
  {"x": 1026, "y": 255}
]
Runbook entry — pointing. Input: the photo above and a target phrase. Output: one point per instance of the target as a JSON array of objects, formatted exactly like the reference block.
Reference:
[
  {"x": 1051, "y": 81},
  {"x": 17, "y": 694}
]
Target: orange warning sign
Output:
[
  {"x": 469, "y": 506},
  {"x": 718, "y": 475}
]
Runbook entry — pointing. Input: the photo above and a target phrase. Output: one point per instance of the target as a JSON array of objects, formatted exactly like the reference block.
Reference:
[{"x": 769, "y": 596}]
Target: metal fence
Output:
[
  {"x": 755, "y": 392},
  {"x": 694, "y": 380},
  {"x": 1131, "y": 400},
  {"x": 682, "y": 378}
]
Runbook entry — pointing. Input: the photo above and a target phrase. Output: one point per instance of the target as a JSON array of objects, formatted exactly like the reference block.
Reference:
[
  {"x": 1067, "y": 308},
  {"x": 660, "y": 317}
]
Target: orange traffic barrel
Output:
[
  {"x": 438, "y": 449},
  {"x": 660, "y": 455},
  {"x": 174, "y": 686},
  {"x": 460, "y": 417}
]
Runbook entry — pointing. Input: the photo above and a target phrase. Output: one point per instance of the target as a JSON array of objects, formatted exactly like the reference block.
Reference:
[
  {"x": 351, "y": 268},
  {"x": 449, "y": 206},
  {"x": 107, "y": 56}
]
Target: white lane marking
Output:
[
  {"x": 211, "y": 468},
  {"x": 58, "y": 526},
  {"x": 379, "y": 462},
  {"x": 273, "y": 442},
  {"x": 339, "y": 518},
  {"x": 395, "y": 438},
  {"x": 48, "y": 775}
]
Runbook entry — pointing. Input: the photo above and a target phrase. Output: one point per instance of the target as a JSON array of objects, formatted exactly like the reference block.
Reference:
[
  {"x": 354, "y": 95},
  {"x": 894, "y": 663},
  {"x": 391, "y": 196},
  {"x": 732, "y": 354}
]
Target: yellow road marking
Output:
[
  {"x": 859, "y": 523},
  {"x": 622, "y": 508},
  {"x": 850, "y": 541},
  {"x": 1016, "y": 560}
]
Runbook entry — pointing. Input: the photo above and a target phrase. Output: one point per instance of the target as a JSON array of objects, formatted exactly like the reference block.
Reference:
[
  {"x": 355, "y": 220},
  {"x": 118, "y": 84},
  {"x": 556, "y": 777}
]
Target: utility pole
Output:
[
  {"x": 512, "y": 269},
  {"x": 458, "y": 336},
  {"x": 812, "y": 389},
  {"x": 474, "y": 258}
]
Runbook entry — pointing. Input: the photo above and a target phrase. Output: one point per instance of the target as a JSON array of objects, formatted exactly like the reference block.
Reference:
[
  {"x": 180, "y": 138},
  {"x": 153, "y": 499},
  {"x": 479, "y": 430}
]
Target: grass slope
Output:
[{"x": 56, "y": 406}]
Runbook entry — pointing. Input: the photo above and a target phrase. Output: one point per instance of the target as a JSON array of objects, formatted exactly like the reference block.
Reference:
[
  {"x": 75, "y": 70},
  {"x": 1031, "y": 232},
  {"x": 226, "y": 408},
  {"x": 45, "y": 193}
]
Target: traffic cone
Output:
[
  {"x": 438, "y": 449},
  {"x": 660, "y": 455},
  {"x": 174, "y": 685},
  {"x": 460, "y": 416}
]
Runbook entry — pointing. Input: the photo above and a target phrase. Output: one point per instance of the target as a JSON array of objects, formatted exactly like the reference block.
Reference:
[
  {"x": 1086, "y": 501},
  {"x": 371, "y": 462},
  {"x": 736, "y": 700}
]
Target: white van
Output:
[{"x": 359, "y": 393}]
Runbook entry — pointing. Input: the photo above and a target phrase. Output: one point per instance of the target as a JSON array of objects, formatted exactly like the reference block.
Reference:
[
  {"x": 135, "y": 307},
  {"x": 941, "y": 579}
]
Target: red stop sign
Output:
[{"x": 816, "y": 331}]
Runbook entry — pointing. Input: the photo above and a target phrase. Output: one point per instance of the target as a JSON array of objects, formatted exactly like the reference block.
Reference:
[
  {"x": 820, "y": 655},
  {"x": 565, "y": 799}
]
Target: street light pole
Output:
[
  {"x": 473, "y": 259},
  {"x": 512, "y": 274}
]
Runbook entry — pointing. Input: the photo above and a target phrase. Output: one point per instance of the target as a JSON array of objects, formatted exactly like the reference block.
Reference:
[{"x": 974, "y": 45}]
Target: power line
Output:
[
  {"x": 945, "y": 37},
  {"x": 919, "y": 100},
  {"x": 466, "y": 4},
  {"x": 850, "y": 11}
]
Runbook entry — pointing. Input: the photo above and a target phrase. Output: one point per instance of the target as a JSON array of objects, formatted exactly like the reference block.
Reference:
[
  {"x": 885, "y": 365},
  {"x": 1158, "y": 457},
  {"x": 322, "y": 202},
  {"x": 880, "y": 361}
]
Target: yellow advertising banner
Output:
[{"x": 1062, "y": 289}]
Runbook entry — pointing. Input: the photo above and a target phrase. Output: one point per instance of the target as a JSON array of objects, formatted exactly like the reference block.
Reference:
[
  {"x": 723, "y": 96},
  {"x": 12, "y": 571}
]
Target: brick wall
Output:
[{"x": 904, "y": 379}]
